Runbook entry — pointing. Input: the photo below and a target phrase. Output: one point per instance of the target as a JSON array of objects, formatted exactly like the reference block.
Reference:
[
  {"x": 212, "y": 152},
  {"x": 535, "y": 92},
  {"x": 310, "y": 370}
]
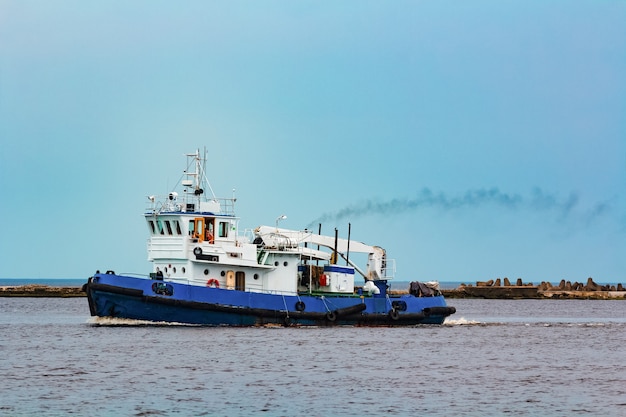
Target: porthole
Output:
[
  {"x": 276, "y": 263},
  {"x": 256, "y": 276},
  {"x": 165, "y": 269},
  {"x": 206, "y": 272},
  {"x": 183, "y": 269},
  {"x": 174, "y": 269},
  {"x": 222, "y": 273},
  {"x": 284, "y": 263}
]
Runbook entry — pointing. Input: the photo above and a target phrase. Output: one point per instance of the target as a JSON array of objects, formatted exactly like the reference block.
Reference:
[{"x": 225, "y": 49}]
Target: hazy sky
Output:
[{"x": 471, "y": 139}]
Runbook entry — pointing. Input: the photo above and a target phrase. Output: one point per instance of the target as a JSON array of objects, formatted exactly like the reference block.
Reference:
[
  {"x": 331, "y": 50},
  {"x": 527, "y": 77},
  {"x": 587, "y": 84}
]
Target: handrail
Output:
[{"x": 168, "y": 204}]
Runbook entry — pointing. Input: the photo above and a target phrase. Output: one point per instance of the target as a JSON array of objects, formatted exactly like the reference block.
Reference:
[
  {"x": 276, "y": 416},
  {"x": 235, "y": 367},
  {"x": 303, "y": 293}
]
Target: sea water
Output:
[{"x": 492, "y": 358}]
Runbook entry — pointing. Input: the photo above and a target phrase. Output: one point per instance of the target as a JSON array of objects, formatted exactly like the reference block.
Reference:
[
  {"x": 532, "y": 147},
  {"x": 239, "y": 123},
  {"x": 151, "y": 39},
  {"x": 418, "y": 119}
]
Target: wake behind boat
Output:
[{"x": 206, "y": 272}]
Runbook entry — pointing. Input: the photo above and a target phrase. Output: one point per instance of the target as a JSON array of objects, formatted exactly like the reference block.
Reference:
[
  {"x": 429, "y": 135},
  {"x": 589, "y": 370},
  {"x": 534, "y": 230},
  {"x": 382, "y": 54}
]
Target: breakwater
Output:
[
  {"x": 504, "y": 289},
  {"x": 38, "y": 290}
]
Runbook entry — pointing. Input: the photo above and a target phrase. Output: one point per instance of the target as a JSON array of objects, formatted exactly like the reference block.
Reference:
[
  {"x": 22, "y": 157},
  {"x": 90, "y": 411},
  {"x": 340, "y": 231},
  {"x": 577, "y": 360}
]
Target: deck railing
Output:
[{"x": 175, "y": 204}]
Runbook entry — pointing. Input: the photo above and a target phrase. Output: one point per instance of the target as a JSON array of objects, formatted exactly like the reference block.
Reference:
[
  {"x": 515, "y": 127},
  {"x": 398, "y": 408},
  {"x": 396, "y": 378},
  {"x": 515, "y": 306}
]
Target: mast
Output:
[{"x": 196, "y": 180}]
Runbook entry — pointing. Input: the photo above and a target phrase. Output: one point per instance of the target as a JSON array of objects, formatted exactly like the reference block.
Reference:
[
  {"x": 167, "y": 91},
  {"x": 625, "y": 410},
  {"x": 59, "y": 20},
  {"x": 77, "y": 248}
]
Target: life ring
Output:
[
  {"x": 197, "y": 251},
  {"x": 300, "y": 306},
  {"x": 213, "y": 282},
  {"x": 394, "y": 315}
]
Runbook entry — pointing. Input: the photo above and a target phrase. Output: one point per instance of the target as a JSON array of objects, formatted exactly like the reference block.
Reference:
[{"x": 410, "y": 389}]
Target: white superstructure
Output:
[{"x": 194, "y": 239}]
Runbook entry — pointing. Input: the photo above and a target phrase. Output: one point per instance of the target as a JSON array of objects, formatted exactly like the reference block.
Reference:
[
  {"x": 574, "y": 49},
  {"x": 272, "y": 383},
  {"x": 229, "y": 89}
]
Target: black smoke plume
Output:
[{"x": 426, "y": 198}]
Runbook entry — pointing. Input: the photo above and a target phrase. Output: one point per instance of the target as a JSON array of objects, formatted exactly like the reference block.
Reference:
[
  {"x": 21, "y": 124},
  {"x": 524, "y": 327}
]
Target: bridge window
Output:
[
  {"x": 152, "y": 228},
  {"x": 169, "y": 227},
  {"x": 223, "y": 230}
]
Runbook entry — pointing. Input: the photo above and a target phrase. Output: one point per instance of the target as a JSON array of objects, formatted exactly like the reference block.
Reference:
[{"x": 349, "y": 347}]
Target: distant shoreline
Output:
[
  {"x": 37, "y": 290},
  {"x": 478, "y": 292},
  {"x": 78, "y": 282}
]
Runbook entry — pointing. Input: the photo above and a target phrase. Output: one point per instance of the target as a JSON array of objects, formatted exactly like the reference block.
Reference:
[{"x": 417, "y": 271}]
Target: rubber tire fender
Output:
[{"x": 331, "y": 316}]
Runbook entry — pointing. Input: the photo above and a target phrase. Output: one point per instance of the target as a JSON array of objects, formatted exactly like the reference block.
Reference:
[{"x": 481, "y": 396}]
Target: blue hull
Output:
[{"x": 113, "y": 295}]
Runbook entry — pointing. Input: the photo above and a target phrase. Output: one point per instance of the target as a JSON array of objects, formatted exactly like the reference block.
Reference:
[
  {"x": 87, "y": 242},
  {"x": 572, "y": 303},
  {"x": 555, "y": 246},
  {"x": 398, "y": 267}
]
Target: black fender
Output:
[{"x": 439, "y": 311}]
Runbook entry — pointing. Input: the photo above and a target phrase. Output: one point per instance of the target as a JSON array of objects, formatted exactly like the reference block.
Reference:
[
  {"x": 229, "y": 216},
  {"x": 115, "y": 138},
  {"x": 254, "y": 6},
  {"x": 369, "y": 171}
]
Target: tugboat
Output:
[{"x": 205, "y": 272}]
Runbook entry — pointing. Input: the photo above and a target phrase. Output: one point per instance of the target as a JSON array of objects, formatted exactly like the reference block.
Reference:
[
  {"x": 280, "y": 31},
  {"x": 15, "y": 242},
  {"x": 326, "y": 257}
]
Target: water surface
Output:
[{"x": 495, "y": 357}]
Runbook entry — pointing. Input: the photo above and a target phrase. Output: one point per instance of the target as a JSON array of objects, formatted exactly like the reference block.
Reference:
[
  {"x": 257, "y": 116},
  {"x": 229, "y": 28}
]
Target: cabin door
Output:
[
  {"x": 240, "y": 281},
  {"x": 230, "y": 280},
  {"x": 198, "y": 228}
]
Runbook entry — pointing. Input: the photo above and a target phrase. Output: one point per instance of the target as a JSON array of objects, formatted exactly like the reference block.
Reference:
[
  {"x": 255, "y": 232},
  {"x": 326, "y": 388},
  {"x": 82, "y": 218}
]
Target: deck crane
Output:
[{"x": 293, "y": 240}]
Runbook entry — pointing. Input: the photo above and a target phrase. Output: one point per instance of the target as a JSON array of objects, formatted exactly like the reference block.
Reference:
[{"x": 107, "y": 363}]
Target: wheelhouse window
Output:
[
  {"x": 169, "y": 227},
  {"x": 177, "y": 224},
  {"x": 152, "y": 228},
  {"x": 160, "y": 227},
  {"x": 223, "y": 229}
]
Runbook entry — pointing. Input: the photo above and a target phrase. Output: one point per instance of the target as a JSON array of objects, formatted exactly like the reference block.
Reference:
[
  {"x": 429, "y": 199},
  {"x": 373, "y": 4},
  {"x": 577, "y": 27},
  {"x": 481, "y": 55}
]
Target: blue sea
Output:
[{"x": 492, "y": 358}]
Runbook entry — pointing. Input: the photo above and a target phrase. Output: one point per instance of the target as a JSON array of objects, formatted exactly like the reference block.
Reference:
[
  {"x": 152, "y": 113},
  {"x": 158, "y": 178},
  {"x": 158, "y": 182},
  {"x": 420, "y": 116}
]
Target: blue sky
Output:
[{"x": 472, "y": 140}]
